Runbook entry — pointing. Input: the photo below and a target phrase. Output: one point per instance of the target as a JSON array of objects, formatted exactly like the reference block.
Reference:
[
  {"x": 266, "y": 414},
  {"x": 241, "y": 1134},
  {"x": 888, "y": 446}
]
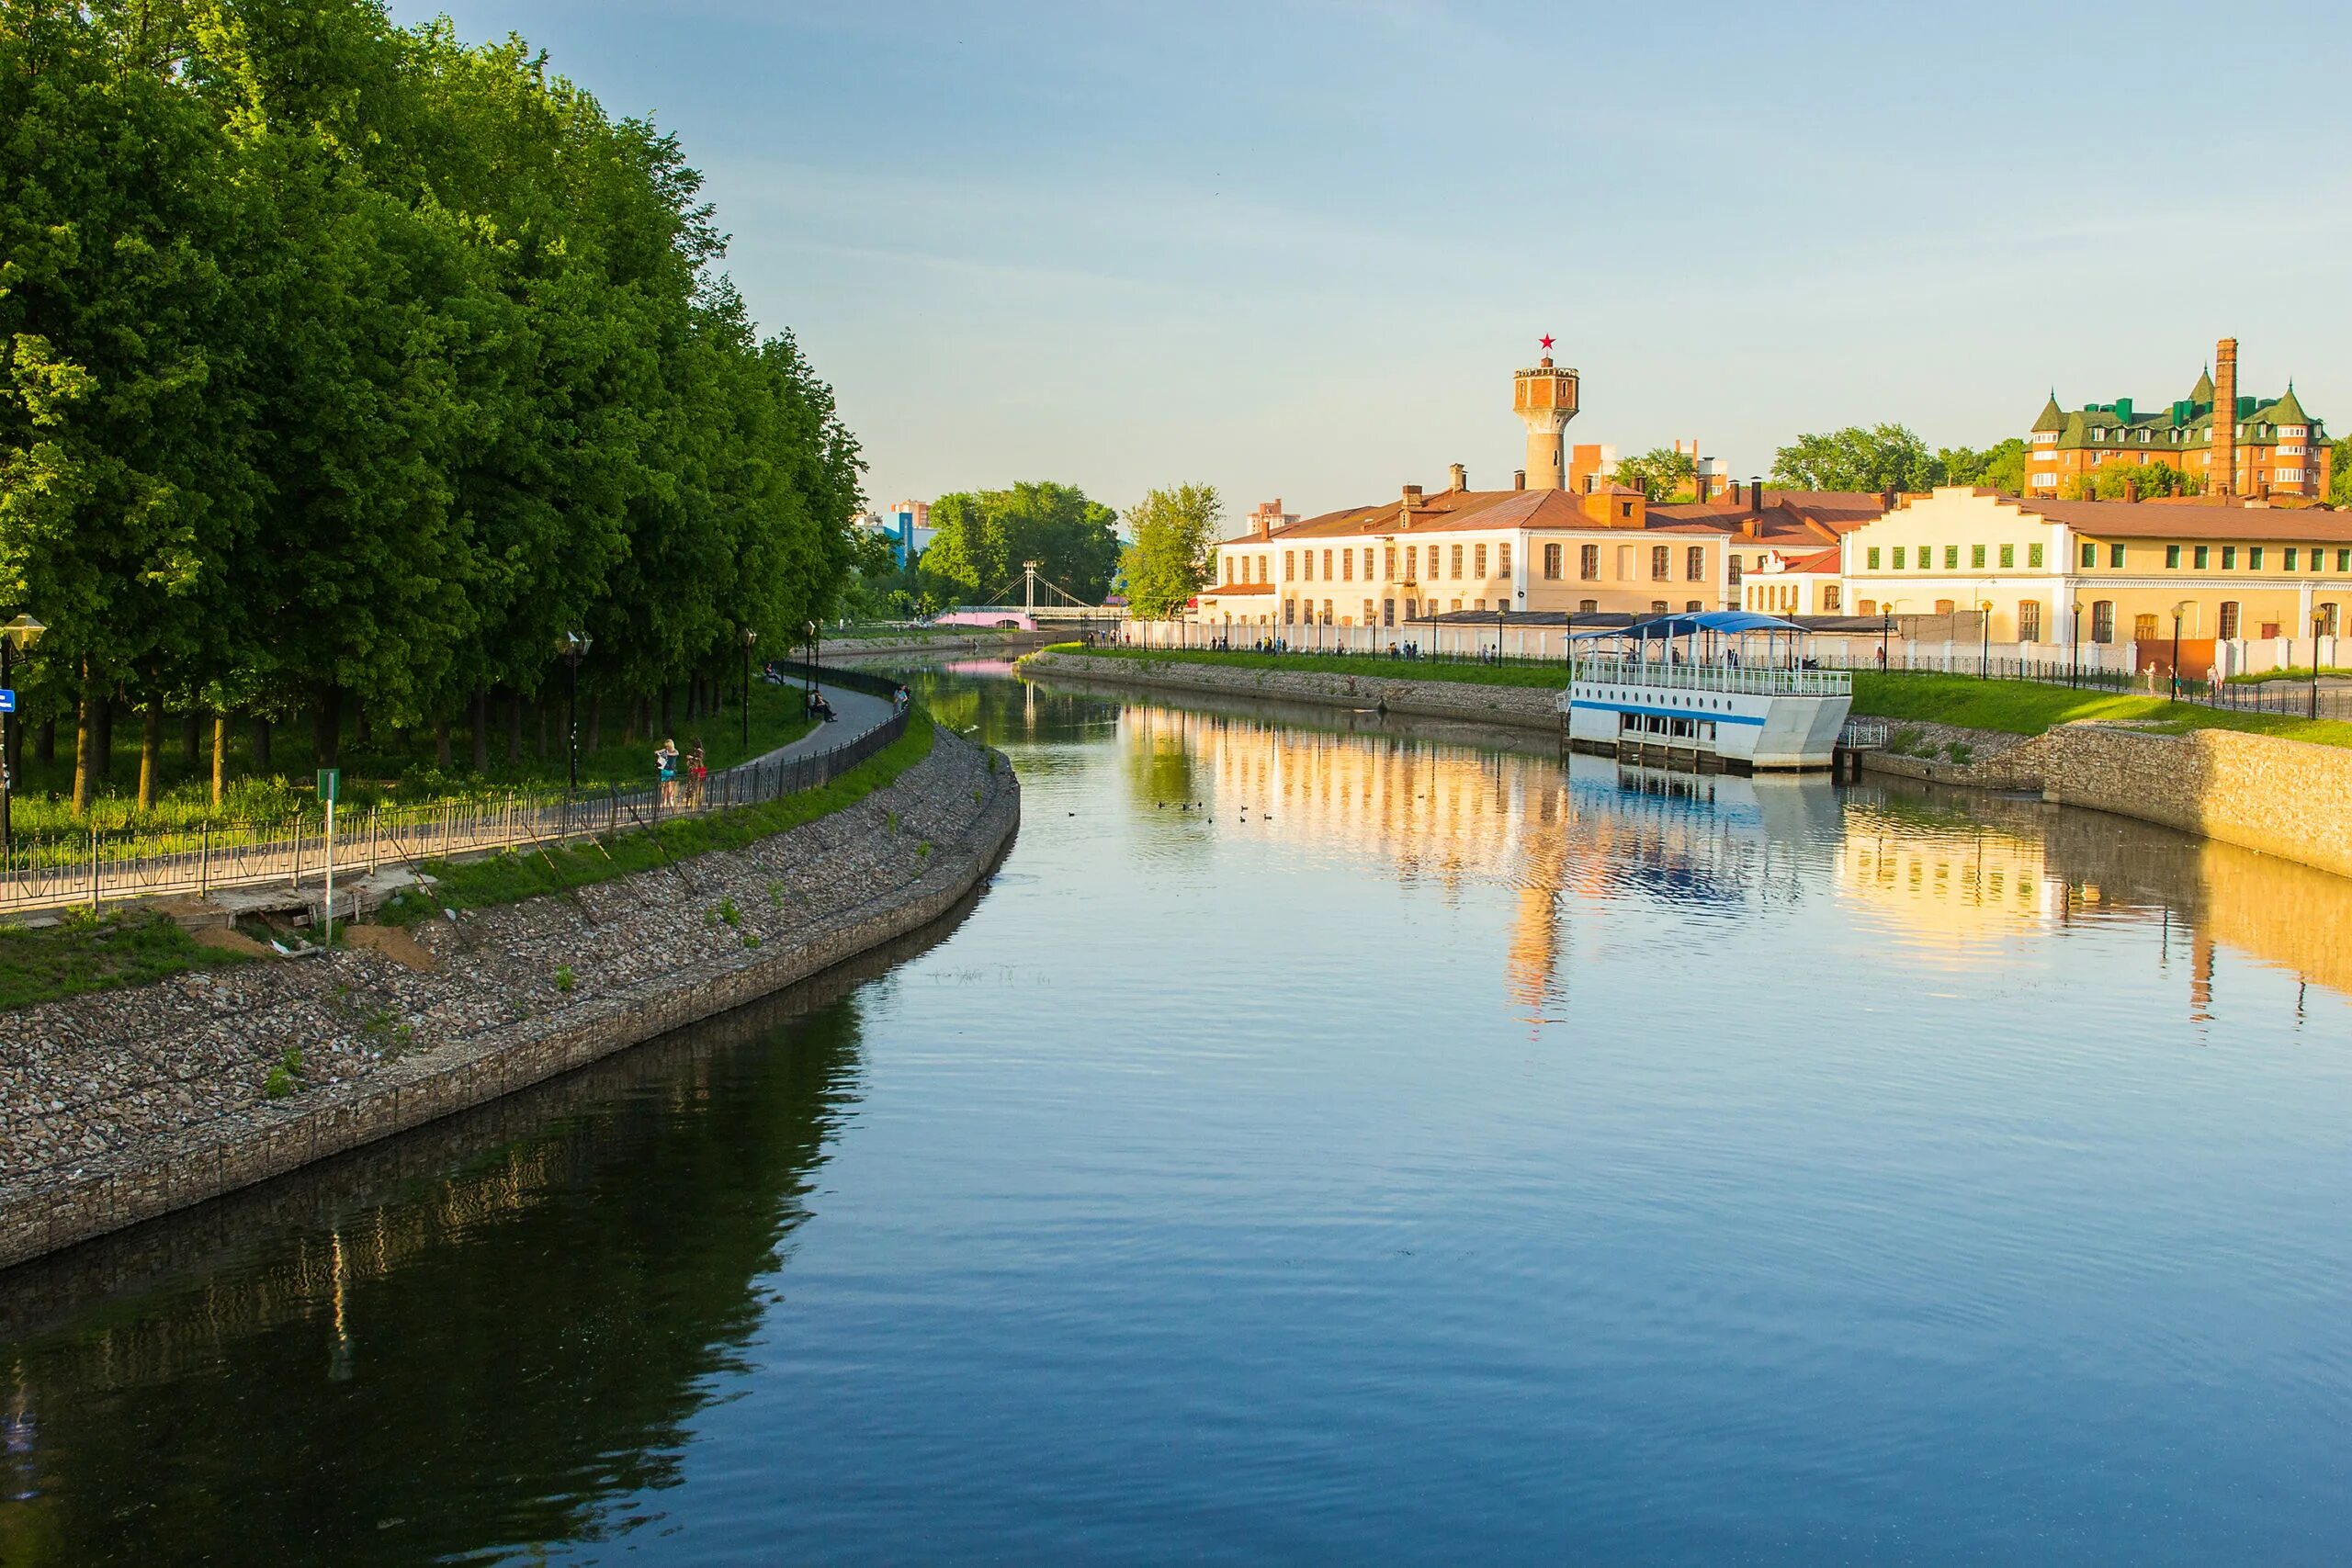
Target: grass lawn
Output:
[
  {"x": 1550, "y": 676},
  {"x": 96, "y": 956},
  {"x": 2029, "y": 707},
  {"x": 511, "y": 876},
  {"x": 396, "y": 768}
]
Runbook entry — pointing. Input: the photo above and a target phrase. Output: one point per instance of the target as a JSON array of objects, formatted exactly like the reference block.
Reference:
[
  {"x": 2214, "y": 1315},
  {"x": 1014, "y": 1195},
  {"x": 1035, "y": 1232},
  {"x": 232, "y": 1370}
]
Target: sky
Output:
[{"x": 1295, "y": 248}]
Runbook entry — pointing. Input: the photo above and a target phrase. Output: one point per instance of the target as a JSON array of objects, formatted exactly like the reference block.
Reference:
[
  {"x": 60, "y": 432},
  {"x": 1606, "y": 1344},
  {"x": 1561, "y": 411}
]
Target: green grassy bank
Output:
[{"x": 2017, "y": 707}]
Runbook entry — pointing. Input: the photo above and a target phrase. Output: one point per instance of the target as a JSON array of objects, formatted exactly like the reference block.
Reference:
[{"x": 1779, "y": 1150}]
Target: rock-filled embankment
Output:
[{"x": 121, "y": 1106}]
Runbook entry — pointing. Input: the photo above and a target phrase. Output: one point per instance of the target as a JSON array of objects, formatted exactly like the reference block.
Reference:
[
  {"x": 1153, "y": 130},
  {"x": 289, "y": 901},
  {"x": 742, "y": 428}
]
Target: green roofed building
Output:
[{"x": 2264, "y": 448}]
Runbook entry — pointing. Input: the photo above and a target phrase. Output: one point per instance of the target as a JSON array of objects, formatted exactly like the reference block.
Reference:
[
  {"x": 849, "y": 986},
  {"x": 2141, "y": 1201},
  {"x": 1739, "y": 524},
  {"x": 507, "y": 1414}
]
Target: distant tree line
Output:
[{"x": 345, "y": 368}]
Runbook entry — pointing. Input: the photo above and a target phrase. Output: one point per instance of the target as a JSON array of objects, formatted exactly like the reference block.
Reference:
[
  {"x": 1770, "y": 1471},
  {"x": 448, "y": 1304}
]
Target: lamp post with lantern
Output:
[
  {"x": 749, "y": 637},
  {"x": 19, "y": 633},
  {"x": 573, "y": 648}
]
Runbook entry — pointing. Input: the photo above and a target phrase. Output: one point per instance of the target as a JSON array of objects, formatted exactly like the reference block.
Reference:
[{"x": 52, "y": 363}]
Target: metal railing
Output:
[
  {"x": 1773, "y": 680},
  {"x": 95, "y": 867}
]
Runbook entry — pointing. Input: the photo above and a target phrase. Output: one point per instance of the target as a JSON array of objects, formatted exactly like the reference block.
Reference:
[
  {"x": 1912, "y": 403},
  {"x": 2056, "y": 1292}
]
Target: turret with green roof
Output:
[{"x": 2052, "y": 416}]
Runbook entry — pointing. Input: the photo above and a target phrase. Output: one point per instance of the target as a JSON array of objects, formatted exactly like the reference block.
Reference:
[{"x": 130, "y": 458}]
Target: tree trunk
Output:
[
  {"x": 477, "y": 724},
  {"x": 84, "y": 737},
  {"x": 634, "y": 729},
  {"x": 542, "y": 706},
  {"x": 219, "y": 757},
  {"x": 364, "y": 731},
  {"x": 47, "y": 751},
  {"x": 514, "y": 727},
  {"x": 192, "y": 739},
  {"x": 150, "y": 755},
  {"x": 694, "y": 698},
  {"x": 595, "y": 723},
  {"x": 441, "y": 743},
  {"x": 327, "y": 727},
  {"x": 668, "y": 724},
  {"x": 261, "y": 744}
]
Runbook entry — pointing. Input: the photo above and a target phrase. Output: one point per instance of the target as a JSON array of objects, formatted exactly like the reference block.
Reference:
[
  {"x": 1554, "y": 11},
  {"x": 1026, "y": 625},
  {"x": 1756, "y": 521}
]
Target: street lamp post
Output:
[
  {"x": 573, "y": 649},
  {"x": 23, "y": 632},
  {"x": 2074, "y": 669},
  {"x": 1985, "y": 639},
  {"x": 749, "y": 637},
  {"x": 2319, "y": 619},
  {"x": 2176, "y": 652}
]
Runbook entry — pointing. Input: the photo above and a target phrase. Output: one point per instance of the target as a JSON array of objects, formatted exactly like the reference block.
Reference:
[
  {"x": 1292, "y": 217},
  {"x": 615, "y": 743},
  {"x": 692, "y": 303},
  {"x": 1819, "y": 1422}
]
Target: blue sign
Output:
[{"x": 8, "y": 700}]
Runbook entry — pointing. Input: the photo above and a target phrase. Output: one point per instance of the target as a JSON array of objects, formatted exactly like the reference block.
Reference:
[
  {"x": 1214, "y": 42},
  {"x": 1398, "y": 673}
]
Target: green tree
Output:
[
  {"x": 1174, "y": 548},
  {"x": 2339, "y": 484},
  {"x": 983, "y": 536},
  {"x": 1999, "y": 467},
  {"x": 2143, "y": 481},
  {"x": 1659, "y": 473},
  {"x": 1885, "y": 457}
]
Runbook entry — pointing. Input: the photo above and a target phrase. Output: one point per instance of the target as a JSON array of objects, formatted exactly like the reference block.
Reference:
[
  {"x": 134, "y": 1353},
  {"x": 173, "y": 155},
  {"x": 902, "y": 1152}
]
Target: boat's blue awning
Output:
[{"x": 1723, "y": 622}]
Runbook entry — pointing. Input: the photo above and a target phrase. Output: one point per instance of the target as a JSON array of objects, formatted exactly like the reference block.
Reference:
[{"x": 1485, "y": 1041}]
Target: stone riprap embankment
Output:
[
  {"x": 1519, "y": 707},
  {"x": 123, "y": 1105}
]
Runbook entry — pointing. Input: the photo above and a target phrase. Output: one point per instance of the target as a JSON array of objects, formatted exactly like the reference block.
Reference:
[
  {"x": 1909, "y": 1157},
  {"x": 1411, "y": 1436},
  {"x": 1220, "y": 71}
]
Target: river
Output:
[{"x": 1323, "y": 1143}]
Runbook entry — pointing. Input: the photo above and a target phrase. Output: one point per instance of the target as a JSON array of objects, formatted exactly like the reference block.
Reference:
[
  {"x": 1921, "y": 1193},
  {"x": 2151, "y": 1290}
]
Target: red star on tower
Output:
[{"x": 1546, "y": 341}]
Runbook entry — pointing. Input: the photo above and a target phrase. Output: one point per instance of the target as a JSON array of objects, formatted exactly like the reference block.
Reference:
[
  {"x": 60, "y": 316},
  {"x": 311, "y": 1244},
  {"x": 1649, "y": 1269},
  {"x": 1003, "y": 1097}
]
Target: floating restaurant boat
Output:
[{"x": 1724, "y": 689}]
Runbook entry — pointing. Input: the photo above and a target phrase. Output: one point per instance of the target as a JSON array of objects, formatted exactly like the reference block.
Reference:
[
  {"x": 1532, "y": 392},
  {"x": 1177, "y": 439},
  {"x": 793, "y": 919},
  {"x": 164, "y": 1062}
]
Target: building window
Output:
[
  {"x": 1588, "y": 562},
  {"x": 1367, "y": 614},
  {"x": 1412, "y": 608},
  {"x": 1457, "y": 565},
  {"x": 2343, "y": 560},
  {"x": 1872, "y": 557},
  {"x": 2172, "y": 558},
  {"x": 2029, "y": 620},
  {"x": 1290, "y": 612},
  {"x": 1867, "y": 607},
  {"x": 1661, "y": 562},
  {"x": 1327, "y": 611},
  {"x": 1692, "y": 606},
  {"x": 1478, "y": 563},
  {"x": 1367, "y": 563},
  {"x": 2103, "y": 621},
  {"x": 2290, "y": 558},
  {"x": 1658, "y": 606},
  {"x": 1952, "y": 557},
  {"x": 1478, "y": 604},
  {"x": 1347, "y": 566},
  {"x": 1898, "y": 557},
  {"x": 2033, "y": 555},
  {"x": 2229, "y": 557},
  {"x": 2254, "y": 557},
  {"x": 2327, "y": 619},
  {"x": 1388, "y": 612},
  {"x": 1945, "y": 606},
  {"x": 2229, "y": 620},
  {"x": 2090, "y": 555},
  {"x": 1829, "y": 599},
  {"x": 1288, "y": 562},
  {"x": 2204, "y": 557},
  {"x": 1977, "y": 556},
  {"x": 1586, "y": 606},
  {"x": 2144, "y": 628},
  {"x": 1327, "y": 569},
  {"x": 1502, "y": 559},
  {"x": 1694, "y": 564},
  {"x": 2009, "y": 556},
  {"x": 1732, "y": 565},
  {"x": 1457, "y": 606},
  {"x": 2115, "y": 556},
  {"x": 1552, "y": 563}
]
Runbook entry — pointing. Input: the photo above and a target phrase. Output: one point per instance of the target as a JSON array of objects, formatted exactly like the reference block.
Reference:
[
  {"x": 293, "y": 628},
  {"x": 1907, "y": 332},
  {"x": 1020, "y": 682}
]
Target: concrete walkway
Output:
[{"x": 859, "y": 713}]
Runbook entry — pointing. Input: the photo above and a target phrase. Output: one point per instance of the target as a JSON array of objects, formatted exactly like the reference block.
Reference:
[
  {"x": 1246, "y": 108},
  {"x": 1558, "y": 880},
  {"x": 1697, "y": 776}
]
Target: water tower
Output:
[{"x": 1546, "y": 397}]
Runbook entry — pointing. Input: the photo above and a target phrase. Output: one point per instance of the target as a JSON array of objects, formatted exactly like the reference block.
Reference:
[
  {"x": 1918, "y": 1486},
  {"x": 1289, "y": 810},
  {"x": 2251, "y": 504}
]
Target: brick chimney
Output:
[
  {"x": 1519, "y": 479},
  {"x": 1267, "y": 512},
  {"x": 1457, "y": 476},
  {"x": 1407, "y": 505},
  {"x": 2225, "y": 418},
  {"x": 1755, "y": 493},
  {"x": 2132, "y": 490}
]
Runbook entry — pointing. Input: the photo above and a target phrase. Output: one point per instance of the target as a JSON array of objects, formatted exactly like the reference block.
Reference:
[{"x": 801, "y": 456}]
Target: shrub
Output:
[
  {"x": 564, "y": 979},
  {"x": 729, "y": 913}
]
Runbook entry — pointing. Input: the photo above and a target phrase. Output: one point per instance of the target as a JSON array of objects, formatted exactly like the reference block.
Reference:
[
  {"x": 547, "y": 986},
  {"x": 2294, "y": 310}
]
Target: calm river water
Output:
[{"x": 1414, "y": 1152}]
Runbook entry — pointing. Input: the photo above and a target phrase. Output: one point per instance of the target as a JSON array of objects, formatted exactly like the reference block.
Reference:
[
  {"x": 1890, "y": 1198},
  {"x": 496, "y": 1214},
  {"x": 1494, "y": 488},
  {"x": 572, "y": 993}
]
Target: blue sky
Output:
[{"x": 1295, "y": 247}]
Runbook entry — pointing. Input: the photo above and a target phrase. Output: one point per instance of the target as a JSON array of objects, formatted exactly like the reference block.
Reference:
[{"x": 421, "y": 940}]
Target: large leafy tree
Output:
[
  {"x": 1659, "y": 472},
  {"x": 1174, "y": 548},
  {"x": 2339, "y": 484},
  {"x": 339, "y": 360},
  {"x": 1999, "y": 467},
  {"x": 1885, "y": 457},
  {"x": 983, "y": 536}
]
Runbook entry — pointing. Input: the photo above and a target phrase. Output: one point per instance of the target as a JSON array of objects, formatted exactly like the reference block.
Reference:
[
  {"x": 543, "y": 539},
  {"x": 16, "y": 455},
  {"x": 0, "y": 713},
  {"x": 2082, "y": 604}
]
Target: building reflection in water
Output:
[{"x": 1951, "y": 878}]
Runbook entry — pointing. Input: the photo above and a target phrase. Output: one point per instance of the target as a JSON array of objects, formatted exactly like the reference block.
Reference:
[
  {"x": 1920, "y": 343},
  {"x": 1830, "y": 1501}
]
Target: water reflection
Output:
[{"x": 1328, "y": 1142}]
